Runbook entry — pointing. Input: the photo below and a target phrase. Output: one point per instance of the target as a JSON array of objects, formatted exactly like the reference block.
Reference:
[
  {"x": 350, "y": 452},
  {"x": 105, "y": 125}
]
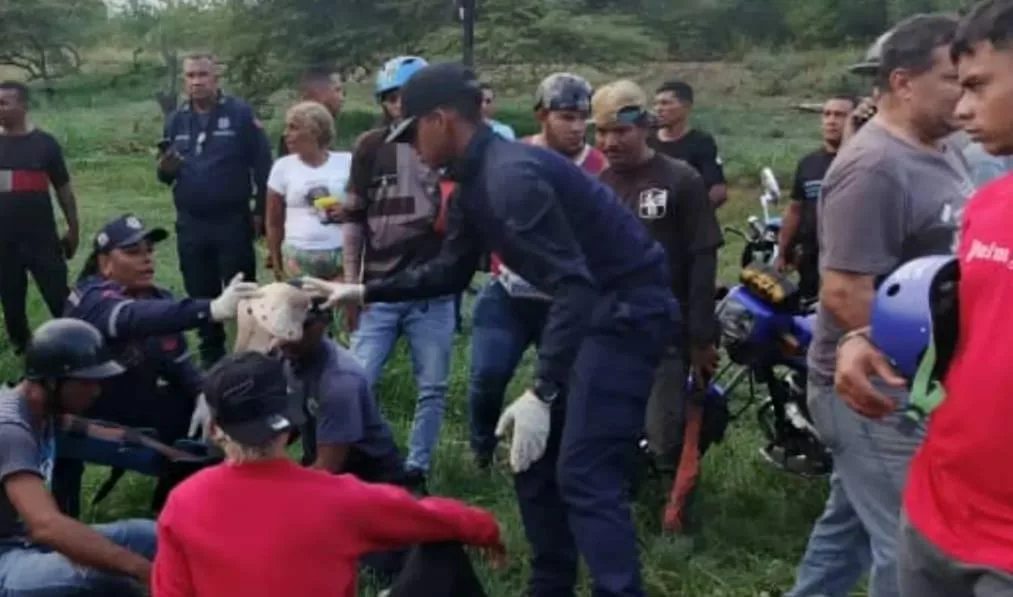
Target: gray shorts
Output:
[{"x": 925, "y": 571}]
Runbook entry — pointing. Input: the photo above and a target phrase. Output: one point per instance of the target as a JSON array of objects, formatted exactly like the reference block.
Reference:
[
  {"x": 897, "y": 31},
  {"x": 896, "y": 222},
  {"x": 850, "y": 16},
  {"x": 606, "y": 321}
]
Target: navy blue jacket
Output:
[
  {"x": 145, "y": 335},
  {"x": 223, "y": 163},
  {"x": 558, "y": 228}
]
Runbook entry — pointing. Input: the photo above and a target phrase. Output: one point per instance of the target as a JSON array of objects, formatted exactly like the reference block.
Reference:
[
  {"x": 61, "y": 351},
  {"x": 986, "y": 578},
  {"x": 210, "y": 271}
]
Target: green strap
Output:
[{"x": 926, "y": 393}]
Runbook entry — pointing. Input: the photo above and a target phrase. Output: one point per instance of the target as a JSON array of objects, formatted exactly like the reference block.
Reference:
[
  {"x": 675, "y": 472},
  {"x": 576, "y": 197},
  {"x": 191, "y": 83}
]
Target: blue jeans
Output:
[
  {"x": 502, "y": 329},
  {"x": 35, "y": 571},
  {"x": 429, "y": 327},
  {"x": 576, "y": 498},
  {"x": 860, "y": 527}
]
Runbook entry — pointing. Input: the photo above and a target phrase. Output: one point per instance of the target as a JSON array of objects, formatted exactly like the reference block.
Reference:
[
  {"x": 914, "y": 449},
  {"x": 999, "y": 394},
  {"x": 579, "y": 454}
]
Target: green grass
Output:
[{"x": 755, "y": 520}]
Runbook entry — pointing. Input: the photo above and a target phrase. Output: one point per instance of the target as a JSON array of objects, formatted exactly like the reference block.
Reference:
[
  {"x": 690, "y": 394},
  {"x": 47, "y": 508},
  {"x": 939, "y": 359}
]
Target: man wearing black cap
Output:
[
  {"x": 612, "y": 311},
  {"x": 262, "y": 526},
  {"x": 143, "y": 325},
  {"x": 42, "y": 551}
]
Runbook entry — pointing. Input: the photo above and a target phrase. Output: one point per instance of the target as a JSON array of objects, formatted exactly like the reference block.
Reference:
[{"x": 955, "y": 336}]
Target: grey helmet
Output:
[{"x": 873, "y": 56}]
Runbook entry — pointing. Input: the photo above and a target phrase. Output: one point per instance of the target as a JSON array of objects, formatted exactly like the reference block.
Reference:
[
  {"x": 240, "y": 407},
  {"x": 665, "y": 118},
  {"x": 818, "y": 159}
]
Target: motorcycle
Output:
[
  {"x": 761, "y": 238},
  {"x": 766, "y": 330}
]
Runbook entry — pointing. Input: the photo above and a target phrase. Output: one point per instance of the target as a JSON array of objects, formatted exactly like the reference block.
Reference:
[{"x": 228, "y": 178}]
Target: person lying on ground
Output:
[
  {"x": 143, "y": 325},
  {"x": 232, "y": 529},
  {"x": 42, "y": 551}
]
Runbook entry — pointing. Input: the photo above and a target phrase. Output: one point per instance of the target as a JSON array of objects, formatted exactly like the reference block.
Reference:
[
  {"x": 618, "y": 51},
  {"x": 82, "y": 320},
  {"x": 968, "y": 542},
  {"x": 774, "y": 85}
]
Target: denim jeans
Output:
[
  {"x": 35, "y": 571},
  {"x": 502, "y": 329},
  {"x": 860, "y": 525},
  {"x": 429, "y": 327}
]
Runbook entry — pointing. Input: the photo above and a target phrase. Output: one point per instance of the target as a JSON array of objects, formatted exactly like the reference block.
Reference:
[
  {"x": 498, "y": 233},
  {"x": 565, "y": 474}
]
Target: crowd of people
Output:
[{"x": 603, "y": 256}]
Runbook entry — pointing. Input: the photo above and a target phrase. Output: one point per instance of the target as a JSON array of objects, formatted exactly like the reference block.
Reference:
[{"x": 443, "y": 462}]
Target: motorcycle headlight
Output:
[{"x": 736, "y": 322}]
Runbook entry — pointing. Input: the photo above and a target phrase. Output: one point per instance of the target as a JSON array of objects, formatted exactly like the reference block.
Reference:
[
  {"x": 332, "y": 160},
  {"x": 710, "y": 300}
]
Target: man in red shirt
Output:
[
  {"x": 957, "y": 534},
  {"x": 261, "y": 525},
  {"x": 509, "y": 313}
]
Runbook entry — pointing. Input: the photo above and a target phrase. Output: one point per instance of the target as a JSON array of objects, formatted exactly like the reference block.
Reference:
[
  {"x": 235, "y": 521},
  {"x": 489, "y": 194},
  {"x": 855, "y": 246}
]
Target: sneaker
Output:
[{"x": 415, "y": 482}]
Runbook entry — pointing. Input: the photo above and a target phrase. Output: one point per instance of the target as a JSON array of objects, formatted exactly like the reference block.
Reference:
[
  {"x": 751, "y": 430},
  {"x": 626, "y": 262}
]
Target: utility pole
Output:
[{"x": 466, "y": 12}]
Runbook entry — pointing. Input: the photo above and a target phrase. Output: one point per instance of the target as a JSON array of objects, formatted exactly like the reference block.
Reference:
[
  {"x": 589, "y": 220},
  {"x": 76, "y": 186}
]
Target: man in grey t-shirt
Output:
[
  {"x": 894, "y": 193},
  {"x": 42, "y": 551}
]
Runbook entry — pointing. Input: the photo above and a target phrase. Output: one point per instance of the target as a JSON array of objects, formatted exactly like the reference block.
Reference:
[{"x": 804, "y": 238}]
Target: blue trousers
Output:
[
  {"x": 576, "y": 499},
  {"x": 502, "y": 329},
  {"x": 35, "y": 571}
]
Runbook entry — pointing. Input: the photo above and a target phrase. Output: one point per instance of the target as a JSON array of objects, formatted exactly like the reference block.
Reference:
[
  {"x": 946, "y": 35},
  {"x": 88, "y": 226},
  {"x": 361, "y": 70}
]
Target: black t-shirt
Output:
[
  {"x": 808, "y": 181},
  {"x": 29, "y": 164},
  {"x": 699, "y": 150},
  {"x": 670, "y": 199}
]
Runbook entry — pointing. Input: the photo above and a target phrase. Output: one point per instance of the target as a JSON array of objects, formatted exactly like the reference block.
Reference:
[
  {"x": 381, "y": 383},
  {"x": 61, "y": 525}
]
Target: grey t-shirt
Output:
[
  {"x": 884, "y": 202},
  {"x": 22, "y": 450},
  {"x": 338, "y": 398}
]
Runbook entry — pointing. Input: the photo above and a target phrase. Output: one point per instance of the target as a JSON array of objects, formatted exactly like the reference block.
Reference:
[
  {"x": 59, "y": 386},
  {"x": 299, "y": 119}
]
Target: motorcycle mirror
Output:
[{"x": 769, "y": 182}]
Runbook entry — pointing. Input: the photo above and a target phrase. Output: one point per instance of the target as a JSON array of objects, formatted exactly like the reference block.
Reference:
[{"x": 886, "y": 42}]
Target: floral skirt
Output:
[{"x": 325, "y": 264}]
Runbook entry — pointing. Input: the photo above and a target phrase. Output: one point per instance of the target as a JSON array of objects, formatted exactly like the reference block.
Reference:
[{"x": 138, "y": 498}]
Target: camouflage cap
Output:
[
  {"x": 621, "y": 101},
  {"x": 563, "y": 91}
]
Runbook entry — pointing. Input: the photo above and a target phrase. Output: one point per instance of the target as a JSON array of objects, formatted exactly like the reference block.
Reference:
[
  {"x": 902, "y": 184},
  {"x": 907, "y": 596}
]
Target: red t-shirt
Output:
[
  {"x": 959, "y": 493},
  {"x": 274, "y": 528},
  {"x": 591, "y": 160}
]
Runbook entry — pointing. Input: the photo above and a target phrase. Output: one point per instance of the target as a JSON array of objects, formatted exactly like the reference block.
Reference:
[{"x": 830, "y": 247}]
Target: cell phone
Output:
[{"x": 163, "y": 145}]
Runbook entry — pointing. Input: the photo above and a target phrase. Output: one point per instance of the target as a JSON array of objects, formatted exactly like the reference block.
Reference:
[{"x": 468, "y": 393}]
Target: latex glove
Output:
[
  {"x": 224, "y": 307},
  {"x": 528, "y": 418},
  {"x": 336, "y": 292},
  {"x": 200, "y": 420}
]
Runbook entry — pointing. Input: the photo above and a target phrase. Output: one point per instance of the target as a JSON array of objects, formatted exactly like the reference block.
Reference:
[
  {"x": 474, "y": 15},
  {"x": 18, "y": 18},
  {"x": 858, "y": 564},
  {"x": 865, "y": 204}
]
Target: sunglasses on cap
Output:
[{"x": 636, "y": 115}]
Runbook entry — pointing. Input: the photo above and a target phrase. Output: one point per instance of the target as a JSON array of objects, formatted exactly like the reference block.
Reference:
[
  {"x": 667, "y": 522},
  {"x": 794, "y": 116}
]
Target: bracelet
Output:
[{"x": 862, "y": 332}]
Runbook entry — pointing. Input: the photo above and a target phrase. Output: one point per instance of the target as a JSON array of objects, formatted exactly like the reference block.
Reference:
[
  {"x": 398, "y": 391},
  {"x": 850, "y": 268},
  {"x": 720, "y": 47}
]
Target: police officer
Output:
[
  {"x": 568, "y": 235},
  {"x": 217, "y": 155},
  {"x": 143, "y": 325}
]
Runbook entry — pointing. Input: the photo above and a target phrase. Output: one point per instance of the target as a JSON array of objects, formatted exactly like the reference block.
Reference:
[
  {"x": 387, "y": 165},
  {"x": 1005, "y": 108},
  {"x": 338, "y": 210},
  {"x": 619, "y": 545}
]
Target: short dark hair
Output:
[
  {"x": 317, "y": 75},
  {"x": 682, "y": 90},
  {"x": 469, "y": 108},
  {"x": 989, "y": 21},
  {"x": 846, "y": 97},
  {"x": 911, "y": 44},
  {"x": 17, "y": 87},
  {"x": 486, "y": 87}
]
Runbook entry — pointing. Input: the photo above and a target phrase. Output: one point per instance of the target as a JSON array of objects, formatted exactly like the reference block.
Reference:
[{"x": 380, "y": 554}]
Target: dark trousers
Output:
[
  {"x": 211, "y": 251},
  {"x": 437, "y": 570},
  {"x": 576, "y": 498},
  {"x": 168, "y": 414},
  {"x": 41, "y": 255},
  {"x": 809, "y": 272},
  {"x": 502, "y": 329}
]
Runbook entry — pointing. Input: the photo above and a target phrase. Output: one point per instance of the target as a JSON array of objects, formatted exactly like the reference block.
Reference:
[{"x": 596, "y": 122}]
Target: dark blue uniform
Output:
[
  {"x": 161, "y": 383},
  {"x": 226, "y": 160},
  {"x": 612, "y": 313}
]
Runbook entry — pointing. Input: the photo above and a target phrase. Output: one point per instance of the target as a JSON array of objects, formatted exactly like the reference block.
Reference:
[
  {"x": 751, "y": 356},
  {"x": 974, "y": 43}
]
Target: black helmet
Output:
[{"x": 68, "y": 349}]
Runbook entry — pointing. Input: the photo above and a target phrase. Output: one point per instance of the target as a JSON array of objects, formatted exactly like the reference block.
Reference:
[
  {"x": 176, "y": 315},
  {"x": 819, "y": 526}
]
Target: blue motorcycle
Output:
[
  {"x": 766, "y": 330},
  {"x": 761, "y": 232}
]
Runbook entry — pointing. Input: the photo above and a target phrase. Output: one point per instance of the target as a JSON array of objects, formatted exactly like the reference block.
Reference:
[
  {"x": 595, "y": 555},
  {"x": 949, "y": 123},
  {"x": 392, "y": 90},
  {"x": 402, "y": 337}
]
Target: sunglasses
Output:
[{"x": 633, "y": 115}]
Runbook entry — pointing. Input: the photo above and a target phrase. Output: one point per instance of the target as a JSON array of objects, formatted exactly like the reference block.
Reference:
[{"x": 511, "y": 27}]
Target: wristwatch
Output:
[{"x": 546, "y": 391}]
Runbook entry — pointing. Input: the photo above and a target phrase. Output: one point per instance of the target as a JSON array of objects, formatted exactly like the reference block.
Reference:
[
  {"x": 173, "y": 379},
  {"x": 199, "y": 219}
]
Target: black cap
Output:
[
  {"x": 65, "y": 348},
  {"x": 125, "y": 231},
  {"x": 250, "y": 399},
  {"x": 434, "y": 86}
]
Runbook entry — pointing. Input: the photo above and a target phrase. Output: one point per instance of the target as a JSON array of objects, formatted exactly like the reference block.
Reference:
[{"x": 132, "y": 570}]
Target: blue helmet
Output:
[
  {"x": 914, "y": 320},
  {"x": 396, "y": 72}
]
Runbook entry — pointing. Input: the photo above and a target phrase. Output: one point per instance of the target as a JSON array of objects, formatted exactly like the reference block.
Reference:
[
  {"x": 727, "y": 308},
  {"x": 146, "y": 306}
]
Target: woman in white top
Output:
[{"x": 305, "y": 192}]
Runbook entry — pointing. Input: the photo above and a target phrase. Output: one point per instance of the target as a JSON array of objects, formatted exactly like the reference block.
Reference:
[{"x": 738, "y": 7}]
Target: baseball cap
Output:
[
  {"x": 125, "y": 231},
  {"x": 250, "y": 398},
  {"x": 434, "y": 86},
  {"x": 621, "y": 101},
  {"x": 873, "y": 57},
  {"x": 563, "y": 91}
]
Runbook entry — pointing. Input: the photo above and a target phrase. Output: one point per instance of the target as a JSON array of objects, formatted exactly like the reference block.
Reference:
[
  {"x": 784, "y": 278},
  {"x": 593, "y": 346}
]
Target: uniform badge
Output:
[
  {"x": 134, "y": 224},
  {"x": 223, "y": 123},
  {"x": 653, "y": 204}
]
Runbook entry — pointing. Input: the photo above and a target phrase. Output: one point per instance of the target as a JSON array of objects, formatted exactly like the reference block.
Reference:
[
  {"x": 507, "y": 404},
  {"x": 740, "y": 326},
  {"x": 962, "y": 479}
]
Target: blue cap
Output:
[{"x": 125, "y": 231}]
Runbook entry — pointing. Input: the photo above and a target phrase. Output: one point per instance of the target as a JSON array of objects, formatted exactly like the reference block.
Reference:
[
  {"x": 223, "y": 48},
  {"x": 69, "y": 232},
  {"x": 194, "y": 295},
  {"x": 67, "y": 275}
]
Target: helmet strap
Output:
[{"x": 926, "y": 393}]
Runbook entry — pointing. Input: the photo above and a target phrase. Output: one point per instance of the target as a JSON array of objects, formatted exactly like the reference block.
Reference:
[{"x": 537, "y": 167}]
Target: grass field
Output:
[{"x": 755, "y": 520}]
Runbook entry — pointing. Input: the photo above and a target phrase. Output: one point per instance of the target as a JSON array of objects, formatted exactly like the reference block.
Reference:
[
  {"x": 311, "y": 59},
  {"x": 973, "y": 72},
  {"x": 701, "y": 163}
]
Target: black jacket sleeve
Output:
[
  {"x": 449, "y": 272},
  {"x": 259, "y": 156},
  {"x": 118, "y": 316},
  {"x": 169, "y": 132},
  {"x": 703, "y": 236},
  {"x": 710, "y": 162},
  {"x": 544, "y": 250}
]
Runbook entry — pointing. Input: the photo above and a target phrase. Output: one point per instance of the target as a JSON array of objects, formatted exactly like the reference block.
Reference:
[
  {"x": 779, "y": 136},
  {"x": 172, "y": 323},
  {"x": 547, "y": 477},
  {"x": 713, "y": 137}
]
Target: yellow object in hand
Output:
[{"x": 322, "y": 203}]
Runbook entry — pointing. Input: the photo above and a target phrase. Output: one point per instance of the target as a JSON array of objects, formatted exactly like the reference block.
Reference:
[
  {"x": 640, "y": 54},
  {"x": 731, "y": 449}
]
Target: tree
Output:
[{"x": 41, "y": 37}]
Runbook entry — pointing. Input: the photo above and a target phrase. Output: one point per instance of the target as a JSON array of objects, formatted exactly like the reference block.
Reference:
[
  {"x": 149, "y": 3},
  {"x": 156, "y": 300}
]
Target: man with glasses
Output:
[{"x": 489, "y": 110}]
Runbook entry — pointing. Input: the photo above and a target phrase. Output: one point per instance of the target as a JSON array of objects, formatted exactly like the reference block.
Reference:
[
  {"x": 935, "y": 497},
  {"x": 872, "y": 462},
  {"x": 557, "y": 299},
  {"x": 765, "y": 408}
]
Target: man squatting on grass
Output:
[
  {"x": 232, "y": 529},
  {"x": 956, "y": 536},
  {"x": 611, "y": 315}
]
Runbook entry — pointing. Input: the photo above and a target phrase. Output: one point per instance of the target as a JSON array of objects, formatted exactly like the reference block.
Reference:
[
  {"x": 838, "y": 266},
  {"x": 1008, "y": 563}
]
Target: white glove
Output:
[
  {"x": 225, "y": 306},
  {"x": 336, "y": 292},
  {"x": 200, "y": 420},
  {"x": 529, "y": 419}
]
